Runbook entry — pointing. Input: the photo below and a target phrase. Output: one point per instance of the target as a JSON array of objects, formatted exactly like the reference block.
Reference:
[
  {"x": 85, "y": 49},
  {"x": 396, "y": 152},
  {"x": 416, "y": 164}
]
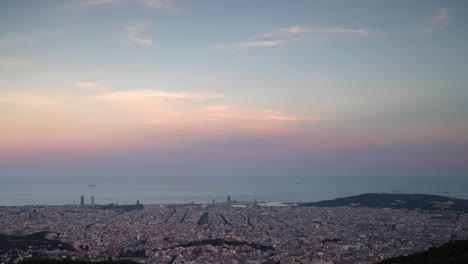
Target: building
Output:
[
  {"x": 82, "y": 200},
  {"x": 92, "y": 200},
  {"x": 229, "y": 200}
]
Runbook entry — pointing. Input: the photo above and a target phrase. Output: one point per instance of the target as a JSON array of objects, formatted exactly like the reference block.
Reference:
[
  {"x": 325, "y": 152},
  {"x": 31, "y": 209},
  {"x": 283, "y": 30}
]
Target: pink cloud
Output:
[
  {"x": 441, "y": 19},
  {"x": 129, "y": 118}
]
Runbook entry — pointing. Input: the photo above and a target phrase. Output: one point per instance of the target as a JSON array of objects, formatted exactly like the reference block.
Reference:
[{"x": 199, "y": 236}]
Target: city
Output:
[{"x": 229, "y": 232}]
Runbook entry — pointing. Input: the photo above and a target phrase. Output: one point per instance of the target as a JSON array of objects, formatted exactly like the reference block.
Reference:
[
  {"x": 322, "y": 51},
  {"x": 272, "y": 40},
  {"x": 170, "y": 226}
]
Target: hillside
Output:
[
  {"x": 68, "y": 261},
  {"x": 454, "y": 252},
  {"x": 398, "y": 201}
]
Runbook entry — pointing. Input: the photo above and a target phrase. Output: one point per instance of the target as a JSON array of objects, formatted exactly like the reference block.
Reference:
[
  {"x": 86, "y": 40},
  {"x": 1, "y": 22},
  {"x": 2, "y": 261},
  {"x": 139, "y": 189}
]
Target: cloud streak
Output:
[
  {"x": 130, "y": 117},
  {"x": 297, "y": 30},
  {"x": 99, "y": 2},
  {"x": 260, "y": 43},
  {"x": 158, "y": 4},
  {"x": 282, "y": 36},
  {"x": 295, "y": 33},
  {"x": 134, "y": 35},
  {"x": 148, "y": 94},
  {"x": 441, "y": 19},
  {"x": 155, "y": 4},
  {"x": 89, "y": 85}
]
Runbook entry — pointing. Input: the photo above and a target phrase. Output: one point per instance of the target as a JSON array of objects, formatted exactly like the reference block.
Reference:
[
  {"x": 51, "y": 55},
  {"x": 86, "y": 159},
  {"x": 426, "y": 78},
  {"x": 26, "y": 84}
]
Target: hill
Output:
[
  {"x": 69, "y": 261},
  {"x": 398, "y": 201},
  {"x": 454, "y": 252}
]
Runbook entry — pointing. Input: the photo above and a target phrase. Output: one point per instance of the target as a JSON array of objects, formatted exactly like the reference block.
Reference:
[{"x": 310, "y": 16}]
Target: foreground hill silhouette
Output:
[
  {"x": 454, "y": 252},
  {"x": 69, "y": 261},
  {"x": 398, "y": 201}
]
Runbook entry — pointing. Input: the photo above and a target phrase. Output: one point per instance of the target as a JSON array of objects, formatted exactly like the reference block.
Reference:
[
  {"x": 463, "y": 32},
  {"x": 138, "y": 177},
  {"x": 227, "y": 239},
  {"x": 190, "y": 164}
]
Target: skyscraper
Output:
[
  {"x": 229, "y": 200},
  {"x": 92, "y": 200},
  {"x": 82, "y": 200}
]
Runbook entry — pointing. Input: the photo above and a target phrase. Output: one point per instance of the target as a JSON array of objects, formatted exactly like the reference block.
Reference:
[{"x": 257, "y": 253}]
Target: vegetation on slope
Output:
[
  {"x": 69, "y": 261},
  {"x": 454, "y": 252}
]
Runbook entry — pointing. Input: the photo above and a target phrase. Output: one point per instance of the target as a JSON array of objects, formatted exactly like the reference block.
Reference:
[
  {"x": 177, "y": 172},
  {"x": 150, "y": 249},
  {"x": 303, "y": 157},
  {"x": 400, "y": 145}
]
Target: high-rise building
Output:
[
  {"x": 138, "y": 202},
  {"x": 82, "y": 200},
  {"x": 92, "y": 200},
  {"x": 229, "y": 200}
]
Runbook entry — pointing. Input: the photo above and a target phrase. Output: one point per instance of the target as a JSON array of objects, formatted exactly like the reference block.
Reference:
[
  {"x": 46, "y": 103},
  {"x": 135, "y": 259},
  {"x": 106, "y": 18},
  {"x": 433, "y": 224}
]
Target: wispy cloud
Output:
[
  {"x": 298, "y": 30},
  {"x": 89, "y": 85},
  {"x": 99, "y": 2},
  {"x": 134, "y": 35},
  {"x": 283, "y": 32},
  {"x": 159, "y": 4},
  {"x": 281, "y": 117},
  {"x": 258, "y": 116},
  {"x": 148, "y": 94},
  {"x": 259, "y": 43},
  {"x": 156, "y": 4},
  {"x": 441, "y": 19},
  {"x": 295, "y": 33},
  {"x": 130, "y": 117}
]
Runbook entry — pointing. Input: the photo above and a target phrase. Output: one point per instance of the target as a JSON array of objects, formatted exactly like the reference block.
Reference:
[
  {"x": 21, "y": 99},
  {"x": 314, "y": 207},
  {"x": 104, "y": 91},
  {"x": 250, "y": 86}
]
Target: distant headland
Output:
[{"x": 398, "y": 201}]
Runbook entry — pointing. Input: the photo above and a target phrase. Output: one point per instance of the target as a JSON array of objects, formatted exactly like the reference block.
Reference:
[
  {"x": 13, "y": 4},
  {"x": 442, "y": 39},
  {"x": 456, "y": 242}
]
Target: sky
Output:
[{"x": 167, "y": 88}]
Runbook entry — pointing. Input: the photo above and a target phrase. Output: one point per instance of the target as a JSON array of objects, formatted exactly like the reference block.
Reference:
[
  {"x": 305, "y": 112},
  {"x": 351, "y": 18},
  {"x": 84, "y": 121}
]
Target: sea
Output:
[{"x": 128, "y": 190}]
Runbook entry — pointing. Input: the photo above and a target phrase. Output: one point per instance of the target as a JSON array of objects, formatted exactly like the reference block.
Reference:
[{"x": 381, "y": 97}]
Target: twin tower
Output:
[{"x": 82, "y": 202}]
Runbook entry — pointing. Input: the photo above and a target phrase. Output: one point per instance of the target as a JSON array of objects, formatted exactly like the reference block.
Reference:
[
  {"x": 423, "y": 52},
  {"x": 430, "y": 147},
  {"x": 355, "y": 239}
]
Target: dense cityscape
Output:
[{"x": 228, "y": 232}]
